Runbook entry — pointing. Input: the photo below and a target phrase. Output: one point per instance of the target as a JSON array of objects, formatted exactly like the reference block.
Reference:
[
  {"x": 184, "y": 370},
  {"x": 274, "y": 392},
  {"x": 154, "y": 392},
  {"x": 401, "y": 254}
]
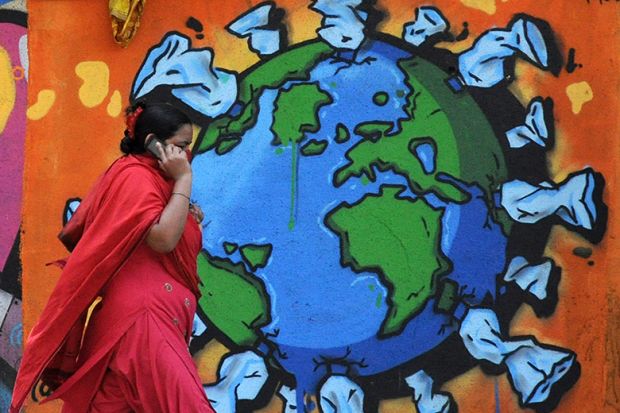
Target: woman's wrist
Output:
[
  {"x": 185, "y": 176},
  {"x": 183, "y": 187},
  {"x": 181, "y": 194},
  {"x": 183, "y": 184}
]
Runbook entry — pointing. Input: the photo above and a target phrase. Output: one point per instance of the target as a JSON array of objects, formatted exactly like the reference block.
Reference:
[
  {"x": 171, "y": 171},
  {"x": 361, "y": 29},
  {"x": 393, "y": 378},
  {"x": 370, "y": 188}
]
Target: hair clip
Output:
[{"x": 131, "y": 120}]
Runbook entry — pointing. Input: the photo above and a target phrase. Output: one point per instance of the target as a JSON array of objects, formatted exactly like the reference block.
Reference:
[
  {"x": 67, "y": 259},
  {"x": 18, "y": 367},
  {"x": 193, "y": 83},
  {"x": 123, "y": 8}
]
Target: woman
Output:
[{"x": 134, "y": 242}]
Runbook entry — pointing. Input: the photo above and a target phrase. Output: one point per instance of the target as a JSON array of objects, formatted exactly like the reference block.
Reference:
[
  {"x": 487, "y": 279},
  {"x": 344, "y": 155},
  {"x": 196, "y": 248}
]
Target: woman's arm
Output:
[{"x": 165, "y": 234}]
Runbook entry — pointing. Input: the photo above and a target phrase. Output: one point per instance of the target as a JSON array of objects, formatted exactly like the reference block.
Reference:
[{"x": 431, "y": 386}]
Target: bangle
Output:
[{"x": 183, "y": 195}]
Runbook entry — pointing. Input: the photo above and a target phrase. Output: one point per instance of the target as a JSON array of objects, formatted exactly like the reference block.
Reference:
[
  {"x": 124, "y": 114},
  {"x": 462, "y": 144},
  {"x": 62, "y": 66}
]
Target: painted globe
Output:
[{"x": 349, "y": 204}]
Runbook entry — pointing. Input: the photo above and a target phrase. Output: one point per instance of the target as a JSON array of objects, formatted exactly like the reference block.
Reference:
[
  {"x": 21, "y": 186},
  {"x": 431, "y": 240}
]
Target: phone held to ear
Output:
[{"x": 151, "y": 146}]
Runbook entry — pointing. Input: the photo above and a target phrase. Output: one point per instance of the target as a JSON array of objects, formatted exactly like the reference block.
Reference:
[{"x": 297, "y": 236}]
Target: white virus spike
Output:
[
  {"x": 189, "y": 73},
  {"x": 5, "y": 303},
  {"x": 572, "y": 200},
  {"x": 340, "y": 394},
  {"x": 23, "y": 54},
  {"x": 535, "y": 128},
  {"x": 254, "y": 25},
  {"x": 250, "y": 20},
  {"x": 198, "y": 326},
  {"x": 530, "y": 278},
  {"x": 289, "y": 398},
  {"x": 70, "y": 209},
  {"x": 428, "y": 22},
  {"x": 265, "y": 42},
  {"x": 533, "y": 369},
  {"x": 485, "y": 64},
  {"x": 425, "y": 399},
  {"x": 342, "y": 25},
  {"x": 530, "y": 41},
  {"x": 241, "y": 376},
  {"x": 339, "y": 8}
]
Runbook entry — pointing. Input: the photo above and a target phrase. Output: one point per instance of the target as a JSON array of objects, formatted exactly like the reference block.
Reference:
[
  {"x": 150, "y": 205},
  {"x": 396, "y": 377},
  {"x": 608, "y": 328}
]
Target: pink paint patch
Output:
[{"x": 12, "y": 148}]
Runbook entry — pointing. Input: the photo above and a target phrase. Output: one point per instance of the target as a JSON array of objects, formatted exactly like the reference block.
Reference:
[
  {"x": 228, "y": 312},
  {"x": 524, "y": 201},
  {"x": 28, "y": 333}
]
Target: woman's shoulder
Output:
[
  {"x": 138, "y": 165},
  {"x": 135, "y": 172}
]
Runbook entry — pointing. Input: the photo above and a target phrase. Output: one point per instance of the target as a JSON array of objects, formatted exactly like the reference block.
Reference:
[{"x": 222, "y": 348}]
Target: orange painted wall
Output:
[{"x": 71, "y": 144}]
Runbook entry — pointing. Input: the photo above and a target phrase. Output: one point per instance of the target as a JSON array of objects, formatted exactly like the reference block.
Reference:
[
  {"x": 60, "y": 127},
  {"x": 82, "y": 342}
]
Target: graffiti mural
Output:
[
  {"x": 376, "y": 205},
  {"x": 399, "y": 209},
  {"x": 13, "y": 90}
]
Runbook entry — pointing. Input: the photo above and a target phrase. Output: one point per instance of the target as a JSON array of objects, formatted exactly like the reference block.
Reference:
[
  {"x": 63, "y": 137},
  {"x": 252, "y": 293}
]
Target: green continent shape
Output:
[
  {"x": 256, "y": 256},
  {"x": 296, "y": 112},
  {"x": 227, "y": 145},
  {"x": 230, "y": 247},
  {"x": 314, "y": 147},
  {"x": 373, "y": 130},
  {"x": 466, "y": 146},
  {"x": 342, "y": 133},
  {"x": 234, "y": 300},
  {"x": 448, "y": 297},
  {"x": 294, "y": 64},
  {"x": 397, "y": 238},
  {"x": 380, "y": 98}
]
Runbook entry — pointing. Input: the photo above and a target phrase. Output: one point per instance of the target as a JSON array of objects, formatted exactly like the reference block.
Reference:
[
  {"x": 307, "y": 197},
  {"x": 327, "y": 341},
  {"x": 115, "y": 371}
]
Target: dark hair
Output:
[{"x": 161, "y": 119}]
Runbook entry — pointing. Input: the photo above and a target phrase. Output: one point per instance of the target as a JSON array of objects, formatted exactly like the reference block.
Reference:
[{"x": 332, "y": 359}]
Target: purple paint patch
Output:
[{"x": 12, "y": 147}]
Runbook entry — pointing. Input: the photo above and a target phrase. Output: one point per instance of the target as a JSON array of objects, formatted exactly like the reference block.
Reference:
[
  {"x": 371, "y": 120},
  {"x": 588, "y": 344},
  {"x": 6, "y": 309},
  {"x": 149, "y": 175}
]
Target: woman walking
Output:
[{"x": 131, "y": 280}]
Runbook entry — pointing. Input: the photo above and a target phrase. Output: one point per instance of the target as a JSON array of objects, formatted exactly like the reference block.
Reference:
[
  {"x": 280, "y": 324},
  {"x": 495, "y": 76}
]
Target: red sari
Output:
[{"x": 133, "y": 355}]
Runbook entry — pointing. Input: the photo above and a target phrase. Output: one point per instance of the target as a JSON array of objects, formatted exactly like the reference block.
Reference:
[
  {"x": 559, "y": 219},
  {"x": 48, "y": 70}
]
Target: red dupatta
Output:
[{"x": 109, "y": 224}]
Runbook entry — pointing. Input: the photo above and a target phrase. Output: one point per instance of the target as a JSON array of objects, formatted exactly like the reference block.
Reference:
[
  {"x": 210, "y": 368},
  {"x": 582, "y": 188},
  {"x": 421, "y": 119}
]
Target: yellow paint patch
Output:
[
  {"x": 579, "y": 94},
  {"x": 195, "y": 132},
  {"x": 96, "y": 78},
  {"x": 7, "y": 88},
  {"x": 208, "y": 359},
  {"x": 116, "y": 104},
  {"x": 402, "y": 405},
  {"x": 455, "y": 47},
  {"x": 528, "y": 81},
  {"x": 487, "y": 6},
  {"x": 45, "y": 101}
]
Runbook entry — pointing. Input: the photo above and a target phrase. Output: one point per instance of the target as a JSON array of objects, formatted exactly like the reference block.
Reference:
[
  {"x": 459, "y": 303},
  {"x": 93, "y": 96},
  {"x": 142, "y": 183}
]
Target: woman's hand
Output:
[
  {"x": 196, "y": 213},
  {"x": 174, "y": 162},
  {"x": 165, "y": 234}
]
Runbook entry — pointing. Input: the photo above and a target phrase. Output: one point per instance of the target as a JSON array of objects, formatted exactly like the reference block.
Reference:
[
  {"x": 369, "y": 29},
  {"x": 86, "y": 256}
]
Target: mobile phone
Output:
[{"x": 151, "y": 146}]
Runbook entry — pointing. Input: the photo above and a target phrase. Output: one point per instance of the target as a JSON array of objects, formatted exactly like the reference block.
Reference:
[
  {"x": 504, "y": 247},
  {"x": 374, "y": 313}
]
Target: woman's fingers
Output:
[
  {"x": 175, "y": 151},
  {"x": 196, "y": 213},
  {"x": 175, "y": 162},
  {"x": 162, "y": 152},
  {"x": 196, "y": 209}
]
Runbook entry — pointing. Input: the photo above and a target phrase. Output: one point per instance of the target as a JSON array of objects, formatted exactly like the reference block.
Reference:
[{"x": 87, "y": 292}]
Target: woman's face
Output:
[{"x": 182, "y": 138}]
